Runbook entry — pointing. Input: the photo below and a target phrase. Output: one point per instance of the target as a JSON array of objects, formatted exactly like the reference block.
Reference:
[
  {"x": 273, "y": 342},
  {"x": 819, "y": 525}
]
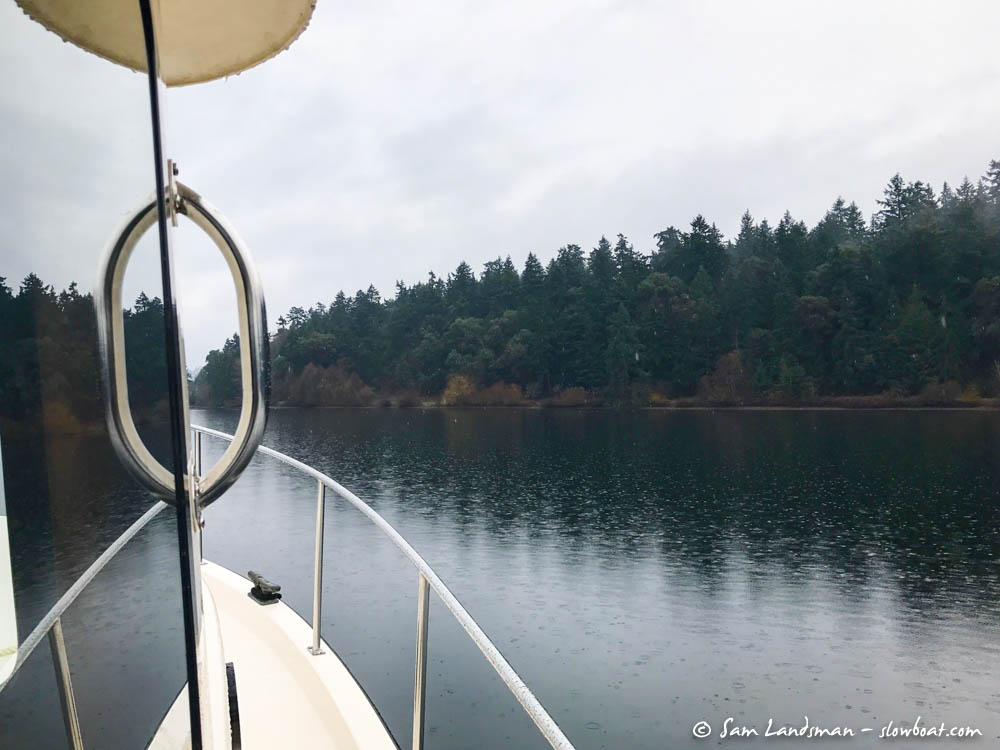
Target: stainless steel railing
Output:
[
  {"x": 51, "y": 625},
  {"x": 427, "y": 580}
]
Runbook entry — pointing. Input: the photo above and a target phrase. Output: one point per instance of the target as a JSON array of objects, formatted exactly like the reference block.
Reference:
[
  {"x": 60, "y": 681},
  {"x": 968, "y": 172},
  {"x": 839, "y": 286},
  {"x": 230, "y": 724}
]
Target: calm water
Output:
[
  {"x": 645, "y": 571},
  {"x": 642, "y": 571}
]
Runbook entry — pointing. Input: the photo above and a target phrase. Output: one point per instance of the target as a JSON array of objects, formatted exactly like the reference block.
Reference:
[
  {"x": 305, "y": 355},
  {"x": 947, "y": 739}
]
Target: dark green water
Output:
[{"x": 646, "y": 571}]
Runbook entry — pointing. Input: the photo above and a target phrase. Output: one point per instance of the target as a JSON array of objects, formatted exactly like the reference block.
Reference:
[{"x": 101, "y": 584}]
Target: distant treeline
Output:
[
  {"x": 905, "y": 304},
  {"x": 904, "y": 308}
]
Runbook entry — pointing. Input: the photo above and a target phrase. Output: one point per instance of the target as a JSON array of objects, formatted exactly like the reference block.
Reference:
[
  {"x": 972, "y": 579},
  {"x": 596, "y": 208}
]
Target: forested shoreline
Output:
[{"x": 900, "y": 309}]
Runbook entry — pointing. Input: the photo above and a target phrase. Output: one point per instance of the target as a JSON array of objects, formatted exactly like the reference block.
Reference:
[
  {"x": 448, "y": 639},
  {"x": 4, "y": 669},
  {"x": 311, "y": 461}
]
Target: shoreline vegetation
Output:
[
  {"x": 461, "y": 391},
  {"x": 901, "y": 310}
]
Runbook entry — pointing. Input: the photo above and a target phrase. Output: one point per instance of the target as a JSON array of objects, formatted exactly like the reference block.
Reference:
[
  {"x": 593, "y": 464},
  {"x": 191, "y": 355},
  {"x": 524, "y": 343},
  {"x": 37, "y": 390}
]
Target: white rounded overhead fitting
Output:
[{"x": 197, "y": 40}]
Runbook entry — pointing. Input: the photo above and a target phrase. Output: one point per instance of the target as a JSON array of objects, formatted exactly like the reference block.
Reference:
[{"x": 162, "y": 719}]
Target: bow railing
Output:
[{"x": 427, "y": 581}]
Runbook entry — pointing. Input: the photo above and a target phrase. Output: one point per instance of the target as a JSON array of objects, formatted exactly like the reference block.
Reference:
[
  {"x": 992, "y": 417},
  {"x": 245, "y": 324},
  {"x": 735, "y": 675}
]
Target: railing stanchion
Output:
[
  {"x": 420, "y": 668},
  {"x": 66, "y": 697},
  {"x": 315, "y": 649}
]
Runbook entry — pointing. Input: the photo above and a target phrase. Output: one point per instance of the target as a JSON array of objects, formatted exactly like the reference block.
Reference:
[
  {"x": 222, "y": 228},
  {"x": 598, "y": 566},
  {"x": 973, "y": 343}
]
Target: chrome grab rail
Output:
[
  {"x": 51, "y": 625},
  {"x": 253, "y": 346},
  {"x": 427, "y": 580}
]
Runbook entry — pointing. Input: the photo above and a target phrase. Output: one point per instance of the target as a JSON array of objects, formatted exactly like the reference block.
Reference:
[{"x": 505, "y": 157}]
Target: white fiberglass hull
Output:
[{"x": 287, "y": 697}]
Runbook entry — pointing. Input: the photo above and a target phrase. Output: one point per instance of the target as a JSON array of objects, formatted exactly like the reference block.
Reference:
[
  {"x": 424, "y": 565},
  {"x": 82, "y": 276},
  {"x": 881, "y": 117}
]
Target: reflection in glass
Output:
[{"x": 76, "y": 156}]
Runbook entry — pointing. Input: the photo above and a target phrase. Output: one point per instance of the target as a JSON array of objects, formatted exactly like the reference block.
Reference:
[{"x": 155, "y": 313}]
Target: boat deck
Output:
[{"x": 288, "y": 697}]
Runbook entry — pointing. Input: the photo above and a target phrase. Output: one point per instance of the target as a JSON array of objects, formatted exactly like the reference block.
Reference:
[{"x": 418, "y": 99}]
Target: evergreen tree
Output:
[{"x": 622, "y": 353}]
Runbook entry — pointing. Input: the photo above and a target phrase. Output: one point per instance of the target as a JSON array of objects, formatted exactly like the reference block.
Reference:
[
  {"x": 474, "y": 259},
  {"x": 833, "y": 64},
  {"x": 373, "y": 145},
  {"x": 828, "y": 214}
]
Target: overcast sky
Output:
[{"x": 396, "y": 138}]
